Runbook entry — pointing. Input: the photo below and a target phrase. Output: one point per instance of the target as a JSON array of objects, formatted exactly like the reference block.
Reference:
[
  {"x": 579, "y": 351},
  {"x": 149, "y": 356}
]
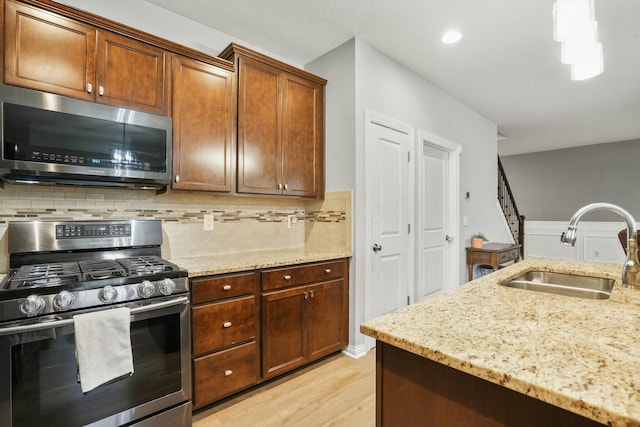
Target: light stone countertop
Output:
[
  {"x": 230, "y": 263},
  {"x": 578, "y": 354}
]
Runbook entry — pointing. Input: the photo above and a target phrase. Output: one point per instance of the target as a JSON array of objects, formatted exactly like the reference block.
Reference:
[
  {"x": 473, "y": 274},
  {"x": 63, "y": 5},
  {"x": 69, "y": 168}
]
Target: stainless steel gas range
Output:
[{"x": 62, "y": 269}]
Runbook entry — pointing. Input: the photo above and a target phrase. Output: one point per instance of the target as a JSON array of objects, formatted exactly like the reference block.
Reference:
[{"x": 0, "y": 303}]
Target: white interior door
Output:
[
  {"x": 390, "y": 249},
  {"x": 434, "y": 204},
  {"x": 438, "y": 210}
]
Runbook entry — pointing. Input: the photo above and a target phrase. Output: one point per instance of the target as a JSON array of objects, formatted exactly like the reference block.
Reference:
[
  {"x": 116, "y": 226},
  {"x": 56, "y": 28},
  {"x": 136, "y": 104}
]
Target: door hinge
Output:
[
  {"x": 408, "y": 300},
  {"x": 408, "y": 228},
  {"x": 408, "y": 156}
]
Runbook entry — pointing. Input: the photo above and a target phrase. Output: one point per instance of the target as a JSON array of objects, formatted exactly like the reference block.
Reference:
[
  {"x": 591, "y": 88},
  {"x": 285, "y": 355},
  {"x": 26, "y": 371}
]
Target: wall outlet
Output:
[
  {"x": 208, "y": 222},
  {"x": 292, "y": 220}
]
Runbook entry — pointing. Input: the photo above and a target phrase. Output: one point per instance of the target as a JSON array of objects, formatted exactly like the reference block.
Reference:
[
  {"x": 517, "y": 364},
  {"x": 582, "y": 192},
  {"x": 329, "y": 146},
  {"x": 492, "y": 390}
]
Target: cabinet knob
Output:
[
  {"x": 279, "y": 186},
  {"x": 328, "y": 270},
  {"x": 89, "y": 88},
  {"x": 311, "y": 294},
  {"x": 226, "y": 288},
  {"x": 228, "y": 373},
  {"x": 287, "y": 277},
  {"x": 101, "y": 90},
  {"x": 177, "y": 179},
  {"x": 286, "y": 186},
  {"x": 306, "y": 295},
  {"x": 226, "y": 325}
]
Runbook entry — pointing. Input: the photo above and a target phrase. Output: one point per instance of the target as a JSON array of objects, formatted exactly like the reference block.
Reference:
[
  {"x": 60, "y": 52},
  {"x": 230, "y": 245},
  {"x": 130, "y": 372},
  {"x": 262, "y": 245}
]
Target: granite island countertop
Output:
[
  {"x": 578, "y": 354},
  {"x": 229, "y": 263}
]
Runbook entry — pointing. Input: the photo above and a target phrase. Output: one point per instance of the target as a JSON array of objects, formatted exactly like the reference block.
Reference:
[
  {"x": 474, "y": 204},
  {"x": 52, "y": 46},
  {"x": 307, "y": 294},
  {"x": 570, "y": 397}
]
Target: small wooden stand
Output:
[{"x": 492, "y": 254}]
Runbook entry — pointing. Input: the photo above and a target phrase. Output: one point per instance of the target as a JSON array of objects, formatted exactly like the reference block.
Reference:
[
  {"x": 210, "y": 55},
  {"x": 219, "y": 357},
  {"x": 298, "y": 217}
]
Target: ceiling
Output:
[{"x": 507, "y": 65}]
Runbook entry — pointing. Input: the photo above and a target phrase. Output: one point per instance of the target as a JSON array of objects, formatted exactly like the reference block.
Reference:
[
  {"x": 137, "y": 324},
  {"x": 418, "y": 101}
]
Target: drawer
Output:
[
  {"x": 223, "y": 324},
  {"x": 480, "y": 258},
  {"x": 222, "y": 373},
  {"x": 290, "y": 276},
  {"x": 508, "y": 256},
  {"x": 219, "y": 287}
]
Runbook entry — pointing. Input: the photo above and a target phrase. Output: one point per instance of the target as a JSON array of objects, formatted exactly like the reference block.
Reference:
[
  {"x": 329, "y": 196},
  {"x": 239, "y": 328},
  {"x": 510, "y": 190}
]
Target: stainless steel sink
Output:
[{"x": 571, "y": 285}]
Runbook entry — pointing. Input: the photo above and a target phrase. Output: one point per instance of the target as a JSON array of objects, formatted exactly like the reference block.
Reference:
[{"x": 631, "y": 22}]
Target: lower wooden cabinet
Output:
[
  {"x": 225, "y": 335},
  {"x": 303, "y": 323},
  {"x": 301, "y": 314}
]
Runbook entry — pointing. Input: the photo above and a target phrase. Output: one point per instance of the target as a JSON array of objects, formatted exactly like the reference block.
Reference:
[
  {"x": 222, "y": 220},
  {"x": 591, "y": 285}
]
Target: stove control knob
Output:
[
  {"x": 63, "y": 300},
  {"x": 146, "y": 289},
  {"x": 167, "y": 286},
  {"x": 108, "y": 294},
  {"x": 32, "y": 305}
]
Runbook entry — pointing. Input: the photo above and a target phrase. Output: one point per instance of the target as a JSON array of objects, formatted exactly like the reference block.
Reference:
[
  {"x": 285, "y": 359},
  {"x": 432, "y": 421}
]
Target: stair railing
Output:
[{"x": 515, "y": 221}]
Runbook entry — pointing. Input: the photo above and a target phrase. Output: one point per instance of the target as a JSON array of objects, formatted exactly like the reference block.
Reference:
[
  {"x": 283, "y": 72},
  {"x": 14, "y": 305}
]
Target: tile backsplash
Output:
[{"x": 240, "y": 223}]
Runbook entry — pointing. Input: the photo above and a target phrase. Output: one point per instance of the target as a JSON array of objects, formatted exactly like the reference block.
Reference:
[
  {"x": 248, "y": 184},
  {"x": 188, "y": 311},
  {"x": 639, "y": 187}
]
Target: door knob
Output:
[
  {"x": 376, "y": 247},
  {"x": 448, "y": 238}
]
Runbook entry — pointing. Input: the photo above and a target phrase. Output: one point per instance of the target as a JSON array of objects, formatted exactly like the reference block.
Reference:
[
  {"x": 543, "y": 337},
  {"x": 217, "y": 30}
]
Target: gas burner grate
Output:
[
  {"x": 101, "y": 269},
  {"x": 41, "y": 275},
  {"x": 143, "y": 265}
]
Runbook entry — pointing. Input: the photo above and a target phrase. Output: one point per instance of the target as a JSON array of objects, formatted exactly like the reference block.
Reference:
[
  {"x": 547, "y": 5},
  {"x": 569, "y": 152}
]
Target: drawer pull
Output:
[
  {"x": 226, "y": 288},
  {"x": 228, "y": 373},
  {"x": 226, "y": 324},
  {"x": 328, "y": 270},
  {"x": 287, "y": 277}
]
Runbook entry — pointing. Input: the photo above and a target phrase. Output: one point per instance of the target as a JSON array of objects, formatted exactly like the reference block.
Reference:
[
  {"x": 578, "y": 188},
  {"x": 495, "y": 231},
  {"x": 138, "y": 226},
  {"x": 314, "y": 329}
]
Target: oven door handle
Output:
[{"x": 65, "y": 322}]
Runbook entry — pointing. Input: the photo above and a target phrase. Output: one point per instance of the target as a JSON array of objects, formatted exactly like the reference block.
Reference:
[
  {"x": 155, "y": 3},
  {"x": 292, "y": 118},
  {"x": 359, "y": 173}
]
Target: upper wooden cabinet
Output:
[
  {"x": 203, "y": 118},
  {"x": 280, "y": 126},
  {"x": 53, "y": 53},
  {"x": 130, "y": 73}
]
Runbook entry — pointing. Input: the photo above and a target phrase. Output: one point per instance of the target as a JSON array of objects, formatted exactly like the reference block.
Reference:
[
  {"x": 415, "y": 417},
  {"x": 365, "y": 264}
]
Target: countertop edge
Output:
[{"x": 211, "y": 265}]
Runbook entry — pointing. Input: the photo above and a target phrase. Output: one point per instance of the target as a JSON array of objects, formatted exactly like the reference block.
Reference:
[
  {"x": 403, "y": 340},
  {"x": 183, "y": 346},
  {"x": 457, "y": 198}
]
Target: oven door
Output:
[{"x": 38, "y": 374}]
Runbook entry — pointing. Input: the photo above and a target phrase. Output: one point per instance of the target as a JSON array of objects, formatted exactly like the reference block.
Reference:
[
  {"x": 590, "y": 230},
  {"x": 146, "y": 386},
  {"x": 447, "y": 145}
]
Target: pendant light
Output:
[{"x": 575, "y": 27}]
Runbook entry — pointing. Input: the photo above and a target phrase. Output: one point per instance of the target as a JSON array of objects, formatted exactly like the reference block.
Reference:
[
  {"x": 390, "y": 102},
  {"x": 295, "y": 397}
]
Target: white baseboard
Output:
[{"x": 356, "y": 352}]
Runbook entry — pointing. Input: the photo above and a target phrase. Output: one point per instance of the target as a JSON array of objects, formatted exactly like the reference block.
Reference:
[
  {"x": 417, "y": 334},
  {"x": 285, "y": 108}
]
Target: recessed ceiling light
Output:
[{"x": 451, "y": 36}]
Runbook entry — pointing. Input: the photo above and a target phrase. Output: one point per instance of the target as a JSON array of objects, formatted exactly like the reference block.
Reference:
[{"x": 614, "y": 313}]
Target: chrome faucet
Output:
[{"x": 631, "y": 267}]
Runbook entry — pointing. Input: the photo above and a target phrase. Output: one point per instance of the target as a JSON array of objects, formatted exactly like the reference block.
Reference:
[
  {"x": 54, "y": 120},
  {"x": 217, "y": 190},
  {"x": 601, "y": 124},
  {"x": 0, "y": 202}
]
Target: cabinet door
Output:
[
  {"x": 202, "y": 126},
  {"x": 258, "y": 128},
  {"x": 284, "y": 334},
  {"x": 325, "y": 318},
  {"x": 130, "y": 73},
  {"x": 302, "y": 139},
  {"x": 47, "y": 52}
]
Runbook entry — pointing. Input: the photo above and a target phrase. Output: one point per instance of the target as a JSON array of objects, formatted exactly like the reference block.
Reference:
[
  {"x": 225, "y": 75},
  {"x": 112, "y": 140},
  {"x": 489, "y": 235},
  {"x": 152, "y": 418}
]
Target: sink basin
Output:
[{"x": 571, "y": 285}]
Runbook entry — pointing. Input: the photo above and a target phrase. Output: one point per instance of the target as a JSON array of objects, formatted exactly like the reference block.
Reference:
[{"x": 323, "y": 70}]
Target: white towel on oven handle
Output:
[{"x": 103, "y": 346}]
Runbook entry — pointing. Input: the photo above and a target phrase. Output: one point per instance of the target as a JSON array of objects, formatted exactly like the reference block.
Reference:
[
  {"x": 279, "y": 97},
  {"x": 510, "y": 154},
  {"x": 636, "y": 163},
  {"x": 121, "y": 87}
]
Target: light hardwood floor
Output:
[{"x": 338, "y": 391}]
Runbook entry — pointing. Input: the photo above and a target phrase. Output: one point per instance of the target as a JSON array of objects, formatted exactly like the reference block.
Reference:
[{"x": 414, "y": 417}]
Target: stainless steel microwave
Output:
[{"x": 48, "y": 138}]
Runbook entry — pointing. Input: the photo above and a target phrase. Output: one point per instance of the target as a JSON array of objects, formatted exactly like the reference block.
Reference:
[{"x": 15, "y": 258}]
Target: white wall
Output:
[
  {"x": 597, "y": 241},
  {"x": 388, "y": 87},
  {"x": 383, "y": 85},
  {"x": 552, "y": 185}
]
